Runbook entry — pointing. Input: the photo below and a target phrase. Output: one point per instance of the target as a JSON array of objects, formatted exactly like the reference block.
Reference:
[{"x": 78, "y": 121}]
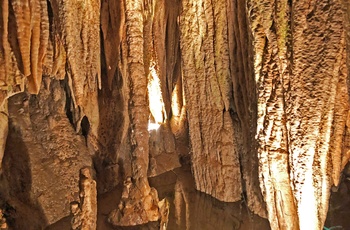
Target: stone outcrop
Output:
[
  {"x": 163, "y": 154},
  {"x": 136, "y": 206},
  {"x": 42, "y": 156}
]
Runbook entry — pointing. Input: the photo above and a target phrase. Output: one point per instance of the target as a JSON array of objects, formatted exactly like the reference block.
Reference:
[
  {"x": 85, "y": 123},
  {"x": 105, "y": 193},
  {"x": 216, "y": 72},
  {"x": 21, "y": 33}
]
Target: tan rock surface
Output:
[
  {"x": 43, "y": 154},
  {"x": 300, "y": 72},
  {"x": 253, "y": 94},
  {"x": 208, "y": 96},
  {"x": 85, "y": 211}
]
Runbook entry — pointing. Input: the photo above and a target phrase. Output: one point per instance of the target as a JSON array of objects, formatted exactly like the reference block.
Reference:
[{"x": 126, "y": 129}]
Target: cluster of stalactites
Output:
[
  {"x": 33, "y": 44},
  {"x": 59, "y": 39},
  {"x": 54, "y": 38},
  {"x": 23, "y": 43}
]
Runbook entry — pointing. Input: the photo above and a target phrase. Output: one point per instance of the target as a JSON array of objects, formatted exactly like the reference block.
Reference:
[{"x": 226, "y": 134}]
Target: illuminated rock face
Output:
[
  {"x": 208, "y": 96},
  {"x": 301, "y": 76},
  {"x": 253, "y": 94}
]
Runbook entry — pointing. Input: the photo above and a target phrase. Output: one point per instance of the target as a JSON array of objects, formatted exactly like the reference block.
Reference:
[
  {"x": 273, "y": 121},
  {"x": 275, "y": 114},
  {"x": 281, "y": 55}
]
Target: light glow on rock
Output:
[
  {"x": 153, "y": 126},
  {"x": 156, "y": 103}
]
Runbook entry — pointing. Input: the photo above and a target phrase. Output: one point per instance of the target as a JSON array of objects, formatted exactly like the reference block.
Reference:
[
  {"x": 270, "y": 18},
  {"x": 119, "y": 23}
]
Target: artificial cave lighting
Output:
[
  {"x": 175, "y": 102},
  {"x": 153, "y": 126},
  {"x": 156, "y": 103}
]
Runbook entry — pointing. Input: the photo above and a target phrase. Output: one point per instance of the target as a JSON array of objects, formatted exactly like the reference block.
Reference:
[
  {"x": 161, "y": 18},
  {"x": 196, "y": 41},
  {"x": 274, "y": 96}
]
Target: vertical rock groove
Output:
[
  {"x": 244, "y": 96},
  {"x": 317, "y": 28},
  {"x": 32, "y": 34},
  {"x": 269, "y": 22},
  {"x": 299, "y": 68},
  {"x": 208, "y": 96}
]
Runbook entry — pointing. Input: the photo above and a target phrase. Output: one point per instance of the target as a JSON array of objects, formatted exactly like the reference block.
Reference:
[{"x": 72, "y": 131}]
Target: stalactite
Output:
[
  {"x": 311, "y": 139},
  {"x": 4, "y": 48},
  {"x": 22, "y": 13},
  {"x": 78, "y": 27},
  {"x": 302, "y": 107},
  {"x": 3, "y": 128},
  {"x": 111, "y": 25},
  {"x": 208, "y": 96},
  {"x": 32, "y": 34},
  {"x": 272, "y": 75},
  {"x": 11, "y": 79},
  {"x": 80, "y": 22}
]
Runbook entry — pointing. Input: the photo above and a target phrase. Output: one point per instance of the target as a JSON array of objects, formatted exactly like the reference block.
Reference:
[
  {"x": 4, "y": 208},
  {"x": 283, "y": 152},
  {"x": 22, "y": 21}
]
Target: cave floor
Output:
[
  {"x": 189, "y": 209},
  {"x": 193, "y": 210}
]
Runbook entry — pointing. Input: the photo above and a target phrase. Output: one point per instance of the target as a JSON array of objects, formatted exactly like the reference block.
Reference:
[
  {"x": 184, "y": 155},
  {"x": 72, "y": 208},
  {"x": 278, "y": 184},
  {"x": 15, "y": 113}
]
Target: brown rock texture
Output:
[
  {"x": 85, "y": 212},
  {"x": 245, "y": 103},
  {"x": 301, "y": 74},
  {"x": 208, "y": 96},
  {"x": 253, "y": 95},
  {"x": 41, "y": 154}
]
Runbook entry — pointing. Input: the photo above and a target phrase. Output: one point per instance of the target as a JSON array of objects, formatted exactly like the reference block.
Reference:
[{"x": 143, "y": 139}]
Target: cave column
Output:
[
  {"x": 138, "y": 102},
  {"x": 137, "y": 194}
]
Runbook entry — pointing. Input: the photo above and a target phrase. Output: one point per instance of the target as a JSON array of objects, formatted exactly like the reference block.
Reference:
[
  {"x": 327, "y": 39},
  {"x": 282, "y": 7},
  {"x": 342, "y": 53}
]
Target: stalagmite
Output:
[
  {"x": 139, "y": 202},
  {"x": 85, "y": 212}
]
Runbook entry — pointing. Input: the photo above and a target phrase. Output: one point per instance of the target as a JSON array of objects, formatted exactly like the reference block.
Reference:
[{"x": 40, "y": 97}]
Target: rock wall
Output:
[{"x": 42, "y": 157}]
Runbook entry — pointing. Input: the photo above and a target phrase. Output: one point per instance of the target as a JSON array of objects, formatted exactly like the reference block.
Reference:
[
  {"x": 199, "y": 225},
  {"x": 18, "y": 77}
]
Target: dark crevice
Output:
[{"x": 69, "y": 102}]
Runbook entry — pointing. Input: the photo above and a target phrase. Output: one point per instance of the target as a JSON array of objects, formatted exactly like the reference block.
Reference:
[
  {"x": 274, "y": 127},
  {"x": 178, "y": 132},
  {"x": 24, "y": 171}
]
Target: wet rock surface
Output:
[{"x": 188, "y": 208}]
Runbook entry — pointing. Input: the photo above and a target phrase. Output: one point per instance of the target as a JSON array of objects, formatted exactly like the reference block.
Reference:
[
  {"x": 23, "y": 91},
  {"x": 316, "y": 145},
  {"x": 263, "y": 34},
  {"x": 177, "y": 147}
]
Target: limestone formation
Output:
[
  {"x": 253, "y": 94},
  {"x": 300, "y": 72},
  {"x": 85, "y": 212},
  {"x": 32, "y": 23},
  {"x": 208, "y": 97},
  {"x": 3, "y": 130},
  {"x": 76, "y": 221},
  {"x": 164, "y": 209},
  {"x": 3, "y": 222},
  {"x": 135, "y": 207},
  {"x": 41, "y": 154}
]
